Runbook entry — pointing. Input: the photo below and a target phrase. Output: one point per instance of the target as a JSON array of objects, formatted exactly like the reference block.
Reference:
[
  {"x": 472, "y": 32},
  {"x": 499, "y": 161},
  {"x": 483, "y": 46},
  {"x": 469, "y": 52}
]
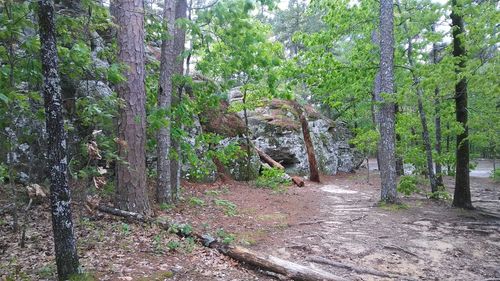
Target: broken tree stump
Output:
[{"x": 298, "y": 181}]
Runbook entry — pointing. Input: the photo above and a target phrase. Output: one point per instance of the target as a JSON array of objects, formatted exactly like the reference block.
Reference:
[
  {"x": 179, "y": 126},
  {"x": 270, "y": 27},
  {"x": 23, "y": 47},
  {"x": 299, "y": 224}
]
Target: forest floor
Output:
[{"x": 338, "y": 220}]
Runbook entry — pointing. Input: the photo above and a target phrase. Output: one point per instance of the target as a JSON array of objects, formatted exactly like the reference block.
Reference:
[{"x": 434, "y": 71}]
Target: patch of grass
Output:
[
  {"x": 82, "y": 277},
  {"x": 47, "y": 272},
  {"x": 225, "y": 237},
  {"x": 125, "y": 228},
  {"x": 272, "y": 217},
  {"x": 496, "y": 175},
  {"x": 230, "y": 209},
  {"x": 166, "y": 207},
  {"x": 441, "y": 194},
  {"x": 213, "y": 193},
  {"x": 173, "y": 245},
  {"x": 188, "y": 245},
  {"x": 393, "y": 206},
  {"x": 195, "y": 201}
]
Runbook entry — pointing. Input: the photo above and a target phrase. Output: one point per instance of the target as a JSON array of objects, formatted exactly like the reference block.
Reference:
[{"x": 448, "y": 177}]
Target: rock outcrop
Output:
[{"x": 276, "y": 130}]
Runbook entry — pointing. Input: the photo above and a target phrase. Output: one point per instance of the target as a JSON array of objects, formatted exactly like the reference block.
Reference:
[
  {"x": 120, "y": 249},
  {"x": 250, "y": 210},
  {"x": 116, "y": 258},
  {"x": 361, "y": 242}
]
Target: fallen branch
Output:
[
  {"x": 308, "y": 222},
  {"x": 269, "y": 263},
  {"x": 391, "y": 247},
  {"x": 8, "y": 208},
  {"x": 358, "y": 218},
  {"x": 352, "y": 267},
  {"x": 266, "y": 158}
]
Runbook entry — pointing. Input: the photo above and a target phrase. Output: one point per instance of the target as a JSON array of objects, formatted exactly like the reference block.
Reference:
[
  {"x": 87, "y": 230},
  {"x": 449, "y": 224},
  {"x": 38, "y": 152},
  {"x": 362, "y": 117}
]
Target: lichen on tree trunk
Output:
[
  {"x": 386, "y": 116},
  {"x": 60, "y": 197}
]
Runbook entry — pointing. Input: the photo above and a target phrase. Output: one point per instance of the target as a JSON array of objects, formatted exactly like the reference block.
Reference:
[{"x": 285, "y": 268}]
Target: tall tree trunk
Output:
[
  {"x": 387, "y": 143},
  {"x": 448, "y": 166},
  {"x": 165, "y": 90},
  {"x": 427, "y": 140},
  {"x": 311, "y": 155},
  {"x": 437, "y": 125},
  {"x": 437, "y": 119},
  {"x": 247, "y": 133},
  {"x": 131, "y": 188},
  {"x": 60, "y": 197},
  {"x": 374, "y": 110},
  {"x": 462, "y": 196},
  {"x": 423, "y": 118},
  {"x": 179, "y": 42},
  {"x": 400, "y": 171}
]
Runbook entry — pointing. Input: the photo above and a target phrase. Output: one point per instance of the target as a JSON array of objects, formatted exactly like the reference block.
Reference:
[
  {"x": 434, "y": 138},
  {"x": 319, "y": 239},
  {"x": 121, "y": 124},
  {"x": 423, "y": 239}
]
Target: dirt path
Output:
[
  {"x": 425, "y": 241},
  {"x": 338, "y": 220}
]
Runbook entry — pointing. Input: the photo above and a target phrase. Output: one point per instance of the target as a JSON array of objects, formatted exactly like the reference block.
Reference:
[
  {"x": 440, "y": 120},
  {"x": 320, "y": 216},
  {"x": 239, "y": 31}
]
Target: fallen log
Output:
[
  {"x": 269, "y": 263},
  {"x": 266, "y": 158},
  {"x": 298, "y": 181},
  {"x": 289, "y": 269}
]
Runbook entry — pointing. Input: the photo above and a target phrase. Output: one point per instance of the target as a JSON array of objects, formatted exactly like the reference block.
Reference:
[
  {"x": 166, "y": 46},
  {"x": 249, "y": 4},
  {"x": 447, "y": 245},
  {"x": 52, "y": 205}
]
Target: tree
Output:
[
  {"x": 60, "y": 197},
  {"x": 179, "y": 42},
  {"x": 462, "y": 196},
  {"x": 131, "y": 189},
  {"x": 165, "y": 91},
  {"x": 311, "y": 155},
  {"x": 386, "y": 116},
  {"x": 420, "y": 105}
]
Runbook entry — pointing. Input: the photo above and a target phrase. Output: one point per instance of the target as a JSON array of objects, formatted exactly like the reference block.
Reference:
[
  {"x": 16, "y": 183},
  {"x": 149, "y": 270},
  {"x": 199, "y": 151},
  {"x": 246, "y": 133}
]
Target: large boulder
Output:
[{"x": 276, "y": 129}]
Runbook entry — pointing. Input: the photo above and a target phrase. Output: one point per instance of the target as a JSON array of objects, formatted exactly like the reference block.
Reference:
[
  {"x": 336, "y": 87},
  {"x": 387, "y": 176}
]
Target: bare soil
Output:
[{"x": 339, "y": 220}]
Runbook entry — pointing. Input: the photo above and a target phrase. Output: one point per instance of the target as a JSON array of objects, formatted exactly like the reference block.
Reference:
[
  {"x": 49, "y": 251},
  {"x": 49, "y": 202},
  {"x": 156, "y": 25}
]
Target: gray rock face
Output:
[
  {"x": 241, "y": 168},
  {"x": 276, "y": 130},
  {"x": 93, "y": 88}
]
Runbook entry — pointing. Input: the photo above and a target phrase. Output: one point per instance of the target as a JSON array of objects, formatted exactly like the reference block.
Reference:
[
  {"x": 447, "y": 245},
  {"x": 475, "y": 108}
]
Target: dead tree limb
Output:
[
  {"x": 270, "y": 263},
  {"x": 266, "y": 158},
  {"x": 311, "y": 155},
  {"x": 290, "y": 269}
]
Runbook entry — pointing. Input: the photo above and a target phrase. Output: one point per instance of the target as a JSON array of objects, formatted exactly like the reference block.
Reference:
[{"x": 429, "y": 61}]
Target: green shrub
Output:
[
  {"x": 272, "y": 178},
  {"x": 408, "y": 185},
  {"x": 440, "y": 194},
  {"x": 496, "y": 175}
]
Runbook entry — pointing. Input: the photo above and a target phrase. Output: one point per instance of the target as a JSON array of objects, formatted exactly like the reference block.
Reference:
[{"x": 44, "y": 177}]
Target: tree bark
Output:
[
  {"x": 131, "y": 189},
  {"x": 179, "y": 45},
  {"x": 437, "y": 120},
  {"x": 165, "y": 90},
  {"x": 60, "y": 197},
  {"x": 311, "y": 155},
  {"x": 462, "y": 196},
  {"x": 400, "y": 170},
  {"x": 387, "y": 146}
]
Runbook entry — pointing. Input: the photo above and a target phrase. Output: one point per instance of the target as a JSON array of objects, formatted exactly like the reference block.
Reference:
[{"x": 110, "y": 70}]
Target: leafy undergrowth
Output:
[{"x": 114, "y": 249}]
